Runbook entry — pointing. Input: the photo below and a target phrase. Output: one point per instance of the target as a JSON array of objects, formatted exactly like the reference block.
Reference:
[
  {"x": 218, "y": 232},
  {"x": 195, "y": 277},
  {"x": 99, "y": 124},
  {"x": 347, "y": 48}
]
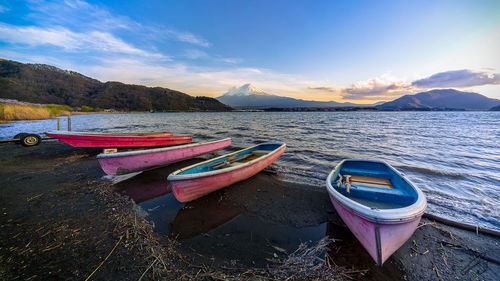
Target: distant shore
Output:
[
  {"x": 27, "y": 116},
  {"x": 61, "y": 221},
  {"x": 13, "y": 110}
]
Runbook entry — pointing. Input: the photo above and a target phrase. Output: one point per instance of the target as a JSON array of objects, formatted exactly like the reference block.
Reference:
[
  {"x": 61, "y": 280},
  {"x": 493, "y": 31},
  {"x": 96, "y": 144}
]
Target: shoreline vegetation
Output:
[
  {"x": 15, "y": 112},
  {"x": 19, "y": 112}
]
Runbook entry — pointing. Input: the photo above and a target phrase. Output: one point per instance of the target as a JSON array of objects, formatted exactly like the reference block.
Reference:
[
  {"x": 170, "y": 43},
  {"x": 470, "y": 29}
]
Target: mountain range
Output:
[
  {"x": 249, "y": 96},
  {"x": 40, "y": 83},
  {"x": 441, "y": 99}
]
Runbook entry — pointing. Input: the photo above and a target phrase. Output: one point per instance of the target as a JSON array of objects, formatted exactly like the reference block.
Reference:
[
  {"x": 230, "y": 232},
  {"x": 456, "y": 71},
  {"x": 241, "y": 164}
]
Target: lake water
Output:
[{"x": 454, "y": 157}]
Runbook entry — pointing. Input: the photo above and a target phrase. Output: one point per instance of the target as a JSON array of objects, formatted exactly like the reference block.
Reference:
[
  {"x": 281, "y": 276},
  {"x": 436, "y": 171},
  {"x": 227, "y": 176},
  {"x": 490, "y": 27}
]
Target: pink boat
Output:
[
  {"x": 79, "y": 139},
  {"x": 380, "y": 206},
  {"x": 200, "y": 179},
  {"x": 120, "y": 163}
]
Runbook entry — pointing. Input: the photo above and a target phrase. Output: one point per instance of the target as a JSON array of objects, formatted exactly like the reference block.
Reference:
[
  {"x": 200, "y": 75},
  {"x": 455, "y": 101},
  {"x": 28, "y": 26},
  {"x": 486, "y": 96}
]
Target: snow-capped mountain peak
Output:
[{"x": 245, "y": 90}]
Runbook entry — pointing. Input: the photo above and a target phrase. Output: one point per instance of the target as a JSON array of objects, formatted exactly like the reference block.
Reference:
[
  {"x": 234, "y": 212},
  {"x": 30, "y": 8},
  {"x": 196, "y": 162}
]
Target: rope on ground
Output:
[{"x": 105, "y": 258}]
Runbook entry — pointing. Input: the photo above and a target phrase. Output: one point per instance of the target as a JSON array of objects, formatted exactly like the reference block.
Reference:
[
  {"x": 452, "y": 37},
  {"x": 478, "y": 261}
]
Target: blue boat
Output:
[
  {"x": 380, "y": 206},
  {"x": 200, "y": 179}
]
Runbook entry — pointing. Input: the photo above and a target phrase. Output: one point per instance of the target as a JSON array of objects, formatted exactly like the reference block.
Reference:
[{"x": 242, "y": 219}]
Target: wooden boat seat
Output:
[
  {"x": 240, "y": 159},
  {"x": 260, "y": 152},
  {"x": 375, "y": 191},
  {"x": 249, "y": 158},
  {"x": 370, "y": 181}
]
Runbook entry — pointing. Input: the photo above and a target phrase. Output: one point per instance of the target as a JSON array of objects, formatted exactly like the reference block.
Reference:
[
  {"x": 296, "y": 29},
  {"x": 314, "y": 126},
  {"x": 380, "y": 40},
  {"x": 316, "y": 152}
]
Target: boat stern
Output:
[{"x": 380, "y": 239}]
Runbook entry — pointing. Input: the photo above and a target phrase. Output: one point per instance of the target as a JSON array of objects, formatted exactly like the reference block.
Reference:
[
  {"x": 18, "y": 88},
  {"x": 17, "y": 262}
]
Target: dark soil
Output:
[{"x": 61, "y": 221}]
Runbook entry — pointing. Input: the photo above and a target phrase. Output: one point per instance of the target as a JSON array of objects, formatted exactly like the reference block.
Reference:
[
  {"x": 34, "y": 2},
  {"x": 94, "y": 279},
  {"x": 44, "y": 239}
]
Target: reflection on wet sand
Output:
[
  {"x": 219, "y": 227},
  {"x": 144, "y": 187},
  {"x": 184, "y": 220},
  {"x": 201, "y": 216},
  {"x": 149, "y": 184}
]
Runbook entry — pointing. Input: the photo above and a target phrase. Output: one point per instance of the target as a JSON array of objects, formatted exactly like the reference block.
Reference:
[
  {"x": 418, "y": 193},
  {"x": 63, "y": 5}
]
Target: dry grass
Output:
[
  {"x": 164, "y": 261},
  {"x": 308, "y": 262},
  {"x": 27, "y": 112}
]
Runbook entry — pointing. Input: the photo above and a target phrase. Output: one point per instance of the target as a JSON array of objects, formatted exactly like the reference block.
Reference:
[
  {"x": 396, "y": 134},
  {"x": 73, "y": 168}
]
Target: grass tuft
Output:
[{"x": 31, "y": 112}]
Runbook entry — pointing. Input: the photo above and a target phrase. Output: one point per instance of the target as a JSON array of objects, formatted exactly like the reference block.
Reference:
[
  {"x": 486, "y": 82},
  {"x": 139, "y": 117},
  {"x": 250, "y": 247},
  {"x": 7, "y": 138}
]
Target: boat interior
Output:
[
  {"x": 373, "y": 184},
  {"x": 238, "y": 158}
]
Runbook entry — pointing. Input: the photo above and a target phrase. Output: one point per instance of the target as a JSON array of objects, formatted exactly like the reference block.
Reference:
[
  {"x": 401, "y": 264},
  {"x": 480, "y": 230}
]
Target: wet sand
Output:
[{"x": 60, "y": 220}]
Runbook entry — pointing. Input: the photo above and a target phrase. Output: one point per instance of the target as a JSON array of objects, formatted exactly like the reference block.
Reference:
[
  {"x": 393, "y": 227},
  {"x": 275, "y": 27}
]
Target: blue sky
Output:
[{"x": 359, "y": 51}]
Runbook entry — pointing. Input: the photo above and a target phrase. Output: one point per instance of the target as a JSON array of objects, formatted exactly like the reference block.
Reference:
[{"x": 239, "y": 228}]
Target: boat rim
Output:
[
  {"x": 413, "y": 211},
  {"x": 153, "y": 150},
  {"x": 175, "y": 175},
  {"x": 84, "y": 134}
]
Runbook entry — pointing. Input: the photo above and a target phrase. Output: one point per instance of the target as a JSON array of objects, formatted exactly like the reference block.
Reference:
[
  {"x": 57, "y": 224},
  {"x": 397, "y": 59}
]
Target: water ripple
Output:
[{"x": 454, "y": 157}]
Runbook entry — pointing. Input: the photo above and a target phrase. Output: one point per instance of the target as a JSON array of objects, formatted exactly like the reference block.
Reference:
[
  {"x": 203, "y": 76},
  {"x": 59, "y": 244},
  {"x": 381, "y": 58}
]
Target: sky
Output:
[{"x": 345, "y": 51}]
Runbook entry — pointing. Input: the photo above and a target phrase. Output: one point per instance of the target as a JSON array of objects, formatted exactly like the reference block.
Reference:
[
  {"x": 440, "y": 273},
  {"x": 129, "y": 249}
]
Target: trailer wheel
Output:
[
  {"x": 20, "y": 136},
  {"x": 30, "y": 140}
]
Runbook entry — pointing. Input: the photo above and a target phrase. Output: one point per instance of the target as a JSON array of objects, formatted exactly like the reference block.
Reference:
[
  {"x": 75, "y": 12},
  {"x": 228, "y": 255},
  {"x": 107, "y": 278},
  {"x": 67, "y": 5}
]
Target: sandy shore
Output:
[{"x": 60, "y": 220}]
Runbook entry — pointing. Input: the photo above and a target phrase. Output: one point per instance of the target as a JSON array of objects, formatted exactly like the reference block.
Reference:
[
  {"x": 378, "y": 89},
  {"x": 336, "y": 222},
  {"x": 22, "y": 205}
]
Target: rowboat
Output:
[
  {"x": 129, "y": 134},
  {"x": 120, "y": 163},
  {"x": 379, "y": 205},
  {"x": 200, "y": 179},
  {"x": 79, "y": 139}
]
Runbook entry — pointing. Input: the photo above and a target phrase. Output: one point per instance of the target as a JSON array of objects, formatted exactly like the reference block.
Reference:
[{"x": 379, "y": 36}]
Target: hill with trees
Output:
[{"x": 40, "y": 83}]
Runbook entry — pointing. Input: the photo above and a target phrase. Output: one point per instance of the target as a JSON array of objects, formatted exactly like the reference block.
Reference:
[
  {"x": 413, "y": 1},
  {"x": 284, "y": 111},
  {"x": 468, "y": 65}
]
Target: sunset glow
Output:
[{"x": 361, "y": 51}]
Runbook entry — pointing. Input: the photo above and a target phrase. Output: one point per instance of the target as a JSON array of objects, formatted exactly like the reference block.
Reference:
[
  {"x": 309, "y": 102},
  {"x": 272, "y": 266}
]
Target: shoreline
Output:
[
  {"x": 334, "y": 109},
  {"x": 60, "y": 220}
]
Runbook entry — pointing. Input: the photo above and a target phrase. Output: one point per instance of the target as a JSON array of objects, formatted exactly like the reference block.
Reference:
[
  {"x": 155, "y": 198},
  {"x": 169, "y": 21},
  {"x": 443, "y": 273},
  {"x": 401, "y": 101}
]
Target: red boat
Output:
[
  {"x": 79, "y": 139},
  {"x": 129, "y": 134}
]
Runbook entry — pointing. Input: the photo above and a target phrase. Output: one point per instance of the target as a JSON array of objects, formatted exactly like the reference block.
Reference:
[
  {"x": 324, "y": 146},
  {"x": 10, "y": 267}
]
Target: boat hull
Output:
[
  {"x": 190, "y": 189},
  {"x": 85, "y": 140},
  {"x": 128, "y": 162},
  {"x": 380, "y": 239},
  {"x": 131, "y": 134},
  {"x": 380, "y": 206}
]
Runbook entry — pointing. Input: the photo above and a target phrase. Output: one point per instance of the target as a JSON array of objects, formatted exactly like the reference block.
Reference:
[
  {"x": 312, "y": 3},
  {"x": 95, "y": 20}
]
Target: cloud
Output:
[
  {"x": 324, "y": 89},
  {"x": 77, "y": 15},
  {"x": 71, "y": 41},
  {"x": 32, "y": 35},
  {"x": 77, "y": 4},
  {"x": 187, "y": 37},
  {"x": 374, "y": 88},
  {"x": 383, "y": 87},
  {"x": 388, "y": 87},
  {"x": 229, "y": 60},
  {"x": 28, "y": 57},
  {"x": 78, "y": 26},
  {"x": 458, "y": 78},
  {"x": 195, "y": 54},
  {"x": 207, "y": 81},
  {"x": 81, "y": 15}
]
